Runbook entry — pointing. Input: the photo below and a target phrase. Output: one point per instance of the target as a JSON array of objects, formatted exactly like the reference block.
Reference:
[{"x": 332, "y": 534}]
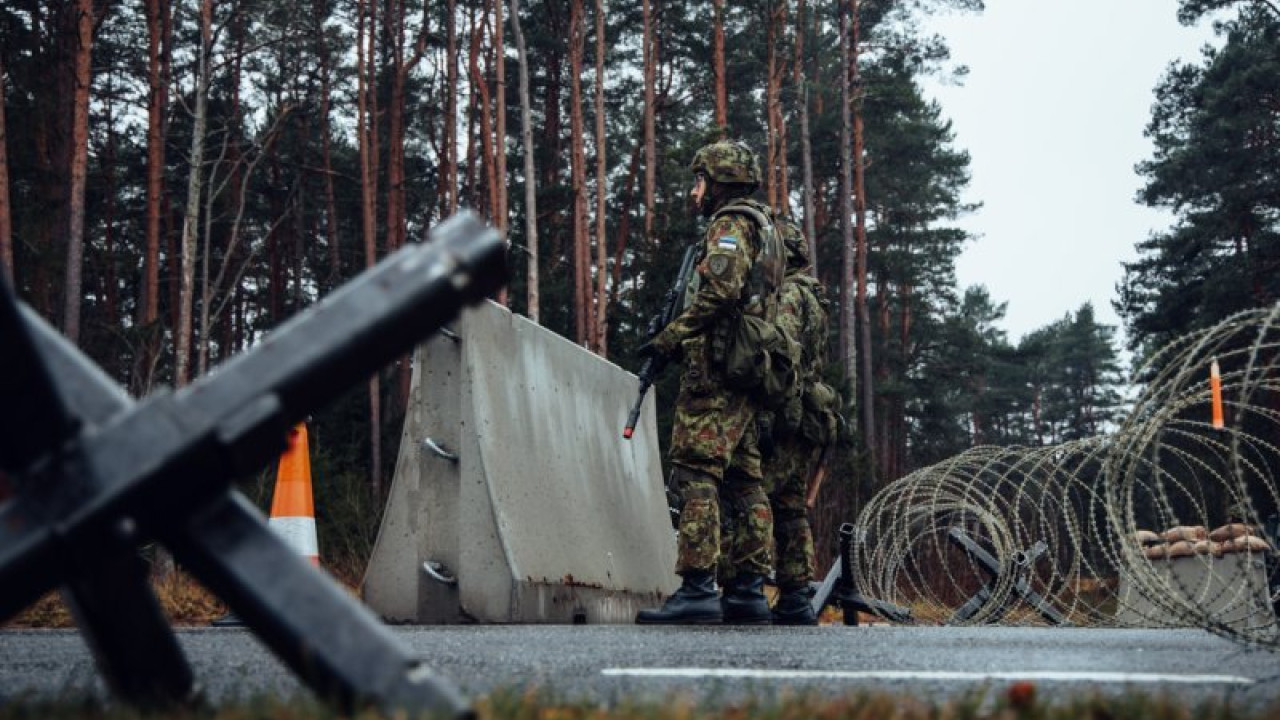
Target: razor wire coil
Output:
[{"x": 1159, "y": 523}]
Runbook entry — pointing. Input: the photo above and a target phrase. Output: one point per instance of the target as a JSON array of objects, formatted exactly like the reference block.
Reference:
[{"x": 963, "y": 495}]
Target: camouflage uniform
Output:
[
  {"x": 714, "y": 454},
  {"x": 714, "y": 431},
  {"x": 802, "y": 313}
]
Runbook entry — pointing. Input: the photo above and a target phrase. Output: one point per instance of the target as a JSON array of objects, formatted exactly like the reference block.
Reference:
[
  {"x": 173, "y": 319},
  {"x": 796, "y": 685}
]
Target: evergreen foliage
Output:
[
  {"x": 1216, "y": 130},
  {"x": 282, "y": 134}
]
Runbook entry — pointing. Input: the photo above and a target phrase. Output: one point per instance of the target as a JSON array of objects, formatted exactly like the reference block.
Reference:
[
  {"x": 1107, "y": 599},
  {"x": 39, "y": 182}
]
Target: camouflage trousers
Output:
[
  {"x": 715, "y": 453},
  {"x": 714, "y": 426},
  {"x": 786, "y": 479},
  {"x": 726, "y": 527}
]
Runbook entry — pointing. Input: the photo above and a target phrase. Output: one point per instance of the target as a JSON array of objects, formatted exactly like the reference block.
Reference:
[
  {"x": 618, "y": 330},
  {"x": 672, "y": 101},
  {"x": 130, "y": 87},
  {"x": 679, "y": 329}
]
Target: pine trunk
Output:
[
  {"x": 332, "y": 234},
  {"x": 78, "y": 170},
  {"x": 6, "y": 214},
  {"x": 784, "y": 185},
  {"x": 806, "y": 146},
  {"x": 624, "y": 222},
  {"x": 578, "y": 179},
  {"x": 602, "y": 191},
  {"x": 52, "y": 64},
  {"x": 848, "y": 348},
  {"x": 530, "y": 172},
  {"x": 472, "y": 161},
  {"x": 500, "y": 213},
  {"x": 108, "y": 283},
  {"x": 899, "y": 417},
  {"x": 880, "y": 370},
  {"x": 396, "y": 216},
  {"x": 449, "y": 169},
  {"x": 195, "y": 190},
  {"x": 366, "y": 120},
  {"x": 159, "y": 51},
  {"x": 718, "y": 66},
  {"x": 650, "y": 146},
  {"x": 771, "y": 92},
  {"x": 158, "y": 38},
  {"x": 484, "y": 111},
  {"x": 867, "y": 384},
  {"x": 394, "y": 211}
]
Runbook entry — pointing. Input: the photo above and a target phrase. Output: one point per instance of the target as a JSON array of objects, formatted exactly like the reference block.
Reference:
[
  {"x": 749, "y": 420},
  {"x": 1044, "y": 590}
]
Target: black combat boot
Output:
[
  {"x": 744, "y": 602},
  {"x": 696, "y": 603},
  {"x": 795, "y": 607}
]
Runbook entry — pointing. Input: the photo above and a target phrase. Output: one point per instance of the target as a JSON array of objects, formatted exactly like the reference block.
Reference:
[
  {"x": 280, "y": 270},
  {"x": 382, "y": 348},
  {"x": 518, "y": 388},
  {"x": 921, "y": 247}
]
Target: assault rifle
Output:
[{"x": 672, "y": 305}]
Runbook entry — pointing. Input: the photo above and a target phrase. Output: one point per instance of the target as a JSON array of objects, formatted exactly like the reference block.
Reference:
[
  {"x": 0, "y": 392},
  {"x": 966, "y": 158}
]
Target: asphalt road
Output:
[{"x": 720, "y": 665}]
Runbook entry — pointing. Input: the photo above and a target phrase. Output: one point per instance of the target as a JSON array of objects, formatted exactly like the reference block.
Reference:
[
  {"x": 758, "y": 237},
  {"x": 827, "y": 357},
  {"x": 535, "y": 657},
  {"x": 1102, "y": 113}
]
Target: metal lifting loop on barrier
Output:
[
  {"x": 439, "y": 449},
  {"x": 438, "y": 572},
  {"x": 97, "y": 474}
]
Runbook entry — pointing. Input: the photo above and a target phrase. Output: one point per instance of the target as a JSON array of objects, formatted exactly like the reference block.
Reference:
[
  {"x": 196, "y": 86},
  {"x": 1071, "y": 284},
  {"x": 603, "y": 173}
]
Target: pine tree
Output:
[{"x": 1216, "y": 154}]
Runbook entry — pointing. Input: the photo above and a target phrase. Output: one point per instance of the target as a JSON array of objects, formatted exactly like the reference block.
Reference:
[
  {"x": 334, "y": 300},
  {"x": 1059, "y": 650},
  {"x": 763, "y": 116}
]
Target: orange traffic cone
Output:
[{"x": 293, "y": 512}]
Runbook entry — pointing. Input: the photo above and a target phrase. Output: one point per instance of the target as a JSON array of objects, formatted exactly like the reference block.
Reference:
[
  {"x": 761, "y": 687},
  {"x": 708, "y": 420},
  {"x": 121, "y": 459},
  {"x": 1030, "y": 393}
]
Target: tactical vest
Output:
[
  {"x": 769, "y": 266},
  {"x": 757, "y": 355}
]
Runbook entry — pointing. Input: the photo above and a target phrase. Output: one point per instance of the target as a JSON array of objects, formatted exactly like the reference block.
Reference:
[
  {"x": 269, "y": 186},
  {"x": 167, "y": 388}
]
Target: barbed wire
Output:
[{"x": 1166, "y": 522}]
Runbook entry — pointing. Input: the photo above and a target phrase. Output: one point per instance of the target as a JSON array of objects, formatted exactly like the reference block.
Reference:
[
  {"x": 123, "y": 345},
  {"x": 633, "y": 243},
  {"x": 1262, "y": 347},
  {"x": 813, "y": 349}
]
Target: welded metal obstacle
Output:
[
  {"x": 97, "y": 475},
  {"x": 1020, "y": 570},
  {"x": 838, "y": 588}
]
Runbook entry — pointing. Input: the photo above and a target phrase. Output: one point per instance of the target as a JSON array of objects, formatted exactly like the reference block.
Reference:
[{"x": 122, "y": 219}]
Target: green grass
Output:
[{"x": 1017, "y": 702}]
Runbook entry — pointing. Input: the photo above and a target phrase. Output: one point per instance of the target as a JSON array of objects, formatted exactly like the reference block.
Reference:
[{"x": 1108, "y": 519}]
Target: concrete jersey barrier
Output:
[{"x": 515, "y": 498}]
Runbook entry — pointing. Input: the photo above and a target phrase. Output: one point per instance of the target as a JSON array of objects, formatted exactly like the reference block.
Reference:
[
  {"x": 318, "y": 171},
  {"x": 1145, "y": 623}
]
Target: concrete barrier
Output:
[
  {"x": 515, "y": 498},
  {"x": 1230, "y": 590}
]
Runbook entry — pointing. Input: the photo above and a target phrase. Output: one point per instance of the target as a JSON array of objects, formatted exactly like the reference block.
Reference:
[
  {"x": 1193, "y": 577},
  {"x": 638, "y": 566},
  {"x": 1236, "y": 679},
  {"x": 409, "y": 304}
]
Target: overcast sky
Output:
[{"x": 1052, "y": 114}]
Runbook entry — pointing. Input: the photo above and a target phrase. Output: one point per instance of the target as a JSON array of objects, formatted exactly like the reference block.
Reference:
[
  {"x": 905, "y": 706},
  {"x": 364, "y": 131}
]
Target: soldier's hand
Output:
[{"x": 660, "y": 347}]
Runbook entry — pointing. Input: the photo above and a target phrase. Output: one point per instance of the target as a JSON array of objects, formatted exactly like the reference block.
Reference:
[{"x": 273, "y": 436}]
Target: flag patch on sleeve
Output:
[{"x": 728, "y": 241}]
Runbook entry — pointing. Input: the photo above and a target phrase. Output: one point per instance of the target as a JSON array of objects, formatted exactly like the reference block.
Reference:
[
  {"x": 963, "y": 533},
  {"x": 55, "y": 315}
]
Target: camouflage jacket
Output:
[{"x": 717, "y": 287}]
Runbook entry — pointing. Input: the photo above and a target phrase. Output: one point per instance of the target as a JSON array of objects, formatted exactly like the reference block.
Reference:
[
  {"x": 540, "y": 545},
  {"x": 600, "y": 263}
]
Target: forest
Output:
[{"x": 176, "y": 179}]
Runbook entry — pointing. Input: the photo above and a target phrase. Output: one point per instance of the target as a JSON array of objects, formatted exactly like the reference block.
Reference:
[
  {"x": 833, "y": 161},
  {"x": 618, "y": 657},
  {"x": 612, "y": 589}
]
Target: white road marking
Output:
[{"x": 1042, "y": 676}]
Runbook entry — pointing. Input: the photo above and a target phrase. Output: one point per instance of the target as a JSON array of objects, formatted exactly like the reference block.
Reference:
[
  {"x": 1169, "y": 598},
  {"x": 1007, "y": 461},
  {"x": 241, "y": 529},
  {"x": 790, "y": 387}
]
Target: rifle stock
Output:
[{"x": 819, "y": 474}]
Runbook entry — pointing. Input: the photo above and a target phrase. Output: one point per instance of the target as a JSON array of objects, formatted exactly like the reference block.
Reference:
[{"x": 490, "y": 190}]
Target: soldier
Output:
[
  {"x": 802, "y": 312},
  {"x": 714, "y": 455}
]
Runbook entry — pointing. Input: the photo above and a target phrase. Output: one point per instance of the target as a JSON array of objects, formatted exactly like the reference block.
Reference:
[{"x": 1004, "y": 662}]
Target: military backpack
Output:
[
  {"x": 815, "y": 410},
  {"x": 759, "y": 356}
]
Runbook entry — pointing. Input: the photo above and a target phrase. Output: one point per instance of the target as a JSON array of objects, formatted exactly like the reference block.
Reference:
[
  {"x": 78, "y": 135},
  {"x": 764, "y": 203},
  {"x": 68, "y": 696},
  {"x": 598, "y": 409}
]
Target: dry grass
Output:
[
  {"x": 185, "y": 602},
  {"x": 48, "y": 612},
  {"x": 1017, "y": 702}
]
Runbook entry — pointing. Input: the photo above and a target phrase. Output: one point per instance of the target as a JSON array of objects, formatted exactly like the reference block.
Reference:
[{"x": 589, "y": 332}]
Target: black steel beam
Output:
[
  {"x": 331, "y": 641},
  {"x": 1021, "y": 583},
  {"x": 839, "y": 590},
  {"x": 97, "y": 475}
]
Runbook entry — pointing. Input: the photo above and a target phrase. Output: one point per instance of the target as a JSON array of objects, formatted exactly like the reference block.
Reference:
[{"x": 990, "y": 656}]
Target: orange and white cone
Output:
[{"x": 293, "y": 513}]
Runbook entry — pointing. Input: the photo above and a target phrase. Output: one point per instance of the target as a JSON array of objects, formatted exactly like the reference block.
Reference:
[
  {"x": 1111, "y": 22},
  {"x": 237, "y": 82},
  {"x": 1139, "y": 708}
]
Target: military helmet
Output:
[
  {"x": 727, "y": 161},
  {"x": 797, "y": 245}
]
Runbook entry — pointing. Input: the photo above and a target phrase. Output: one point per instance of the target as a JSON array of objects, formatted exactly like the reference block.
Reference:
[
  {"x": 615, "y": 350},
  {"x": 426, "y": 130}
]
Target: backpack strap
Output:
[{"x": 768, "y": 268}]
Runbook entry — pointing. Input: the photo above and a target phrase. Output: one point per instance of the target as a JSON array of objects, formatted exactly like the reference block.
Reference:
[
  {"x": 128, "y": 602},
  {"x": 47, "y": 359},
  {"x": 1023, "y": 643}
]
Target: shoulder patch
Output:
[
  {"x": 718, "y": 264},
  {"x": 729, "y": 242}
]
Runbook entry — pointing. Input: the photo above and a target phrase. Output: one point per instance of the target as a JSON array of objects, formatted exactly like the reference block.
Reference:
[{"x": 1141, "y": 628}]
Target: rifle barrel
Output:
[{"x": 647, "y": 371}]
